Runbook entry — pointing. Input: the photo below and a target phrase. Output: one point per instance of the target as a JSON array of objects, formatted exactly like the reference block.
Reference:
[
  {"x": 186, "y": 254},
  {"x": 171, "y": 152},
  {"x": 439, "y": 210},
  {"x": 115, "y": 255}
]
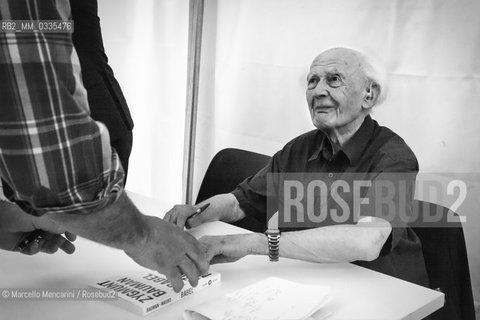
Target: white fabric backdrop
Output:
[
  {"x": 255, "y": 58},
  {"x": 146, "y": 42}
]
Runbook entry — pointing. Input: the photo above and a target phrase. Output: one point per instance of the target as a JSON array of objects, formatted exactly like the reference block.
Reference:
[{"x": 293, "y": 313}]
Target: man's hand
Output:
[
  {"x": 16, "y": 226},
  {"x": 151, "y": 242},
  {"x": 170, "y": 251},
  {"x": 230, "y": 248},
  {"x": 48, "y": 243},
  {"x": 223, "y": 207},
  {"x": 181, "y": 213}
]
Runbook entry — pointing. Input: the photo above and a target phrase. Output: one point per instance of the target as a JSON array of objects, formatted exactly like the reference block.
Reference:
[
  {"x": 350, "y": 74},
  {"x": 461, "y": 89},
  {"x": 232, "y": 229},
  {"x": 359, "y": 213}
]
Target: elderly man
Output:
[{"x": 342, "y": 88}]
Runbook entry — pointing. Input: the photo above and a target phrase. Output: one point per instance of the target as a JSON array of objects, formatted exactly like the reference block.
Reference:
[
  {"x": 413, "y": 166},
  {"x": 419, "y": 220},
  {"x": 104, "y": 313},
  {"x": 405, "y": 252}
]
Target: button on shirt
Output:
[{"x": 372, "y": 151}]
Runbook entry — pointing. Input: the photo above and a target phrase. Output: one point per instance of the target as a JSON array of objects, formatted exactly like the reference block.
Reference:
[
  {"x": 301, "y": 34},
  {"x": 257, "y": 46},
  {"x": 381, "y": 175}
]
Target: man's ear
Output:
[{"x": 372, "y": 91}]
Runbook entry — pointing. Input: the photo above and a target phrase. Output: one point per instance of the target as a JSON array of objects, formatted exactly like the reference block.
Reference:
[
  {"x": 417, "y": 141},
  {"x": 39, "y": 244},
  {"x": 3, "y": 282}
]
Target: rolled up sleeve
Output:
[
  {"x": 53, "y": 156},
  {"x": 391, "y": 196}
]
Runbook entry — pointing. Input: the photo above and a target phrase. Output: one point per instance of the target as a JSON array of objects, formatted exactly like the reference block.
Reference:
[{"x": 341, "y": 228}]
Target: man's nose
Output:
[{"x": 321, "y": 89}]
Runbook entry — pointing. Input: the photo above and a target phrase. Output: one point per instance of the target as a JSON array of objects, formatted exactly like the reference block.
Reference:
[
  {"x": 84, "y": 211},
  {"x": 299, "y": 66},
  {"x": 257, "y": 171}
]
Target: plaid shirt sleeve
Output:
[{"x": 53, "y": 156}]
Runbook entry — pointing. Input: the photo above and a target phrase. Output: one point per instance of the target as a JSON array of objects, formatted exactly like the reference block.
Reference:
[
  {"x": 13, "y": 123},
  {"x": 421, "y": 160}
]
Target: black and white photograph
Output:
[{"x": 240, "y": 159}]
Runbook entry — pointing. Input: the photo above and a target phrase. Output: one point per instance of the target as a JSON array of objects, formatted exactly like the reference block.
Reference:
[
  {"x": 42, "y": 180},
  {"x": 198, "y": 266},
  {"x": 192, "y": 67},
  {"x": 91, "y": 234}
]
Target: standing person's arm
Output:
[{"x": 59, "y": 162}]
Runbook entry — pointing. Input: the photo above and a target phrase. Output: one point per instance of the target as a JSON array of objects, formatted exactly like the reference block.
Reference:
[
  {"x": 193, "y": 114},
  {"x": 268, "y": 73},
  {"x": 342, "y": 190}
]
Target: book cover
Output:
[{"x": 148, "y": 292}]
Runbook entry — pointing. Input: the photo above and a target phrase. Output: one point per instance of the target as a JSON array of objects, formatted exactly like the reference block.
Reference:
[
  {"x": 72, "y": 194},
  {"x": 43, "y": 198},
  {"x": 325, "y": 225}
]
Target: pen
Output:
[{"x": 199, "y": 210}]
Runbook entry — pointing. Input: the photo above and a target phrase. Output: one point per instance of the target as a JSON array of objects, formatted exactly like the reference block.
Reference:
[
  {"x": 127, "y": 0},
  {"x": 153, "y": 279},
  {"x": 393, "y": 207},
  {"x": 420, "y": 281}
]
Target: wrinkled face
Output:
[{"x": 335, "y": 89}]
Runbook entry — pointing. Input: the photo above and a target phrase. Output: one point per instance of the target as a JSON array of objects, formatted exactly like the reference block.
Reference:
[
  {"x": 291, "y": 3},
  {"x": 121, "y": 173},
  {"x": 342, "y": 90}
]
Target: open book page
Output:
[{"x": 269, "y": 299}]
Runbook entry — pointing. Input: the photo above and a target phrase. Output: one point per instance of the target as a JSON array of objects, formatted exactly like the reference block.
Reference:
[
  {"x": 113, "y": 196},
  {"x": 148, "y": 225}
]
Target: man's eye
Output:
[
  {"x": 334, "y": 80},
  {"x": 312, "y": 83}
]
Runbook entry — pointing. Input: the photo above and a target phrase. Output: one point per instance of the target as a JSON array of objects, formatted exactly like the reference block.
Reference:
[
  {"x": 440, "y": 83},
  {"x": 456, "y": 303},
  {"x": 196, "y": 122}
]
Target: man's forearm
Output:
[
  {"x": 120, "y": 225},
  {"x": 341, "y": 243}
]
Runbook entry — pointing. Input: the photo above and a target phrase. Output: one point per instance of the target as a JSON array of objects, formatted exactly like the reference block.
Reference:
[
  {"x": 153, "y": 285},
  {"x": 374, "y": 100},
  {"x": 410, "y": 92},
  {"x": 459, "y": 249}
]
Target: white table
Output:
[{"x": 358, "y": 293}]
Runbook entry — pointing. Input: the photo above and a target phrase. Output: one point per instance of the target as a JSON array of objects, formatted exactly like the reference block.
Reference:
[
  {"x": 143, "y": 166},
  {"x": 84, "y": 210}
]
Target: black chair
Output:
[
  {"x": 227, "y": 169},
  {"x": 446, "y": 261}
]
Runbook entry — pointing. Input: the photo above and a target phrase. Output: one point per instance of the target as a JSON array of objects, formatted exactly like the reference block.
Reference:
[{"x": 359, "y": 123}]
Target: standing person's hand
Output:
[
  {"x": 29, "y": 234},
  {"x": 172, "y": 252},
  {"x": 44, "y": 241}
]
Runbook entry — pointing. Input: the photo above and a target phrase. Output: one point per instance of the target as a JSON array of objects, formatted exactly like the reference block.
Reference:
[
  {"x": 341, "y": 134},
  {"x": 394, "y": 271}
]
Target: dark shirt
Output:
[
  {"x": 105, "y": 97},
  {"x": 372, "y": 151}
]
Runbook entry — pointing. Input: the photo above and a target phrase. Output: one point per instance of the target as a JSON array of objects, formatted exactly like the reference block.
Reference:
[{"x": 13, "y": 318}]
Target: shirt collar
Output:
[
  {"x": 353, "y": 149},
  {"x": 322, "y": 143}
]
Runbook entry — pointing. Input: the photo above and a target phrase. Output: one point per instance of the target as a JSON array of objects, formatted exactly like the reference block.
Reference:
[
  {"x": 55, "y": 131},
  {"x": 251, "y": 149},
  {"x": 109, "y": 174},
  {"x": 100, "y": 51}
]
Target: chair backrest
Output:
[
  {"x": 227, "y": 169},
  {"x": 446, "y": 262}
]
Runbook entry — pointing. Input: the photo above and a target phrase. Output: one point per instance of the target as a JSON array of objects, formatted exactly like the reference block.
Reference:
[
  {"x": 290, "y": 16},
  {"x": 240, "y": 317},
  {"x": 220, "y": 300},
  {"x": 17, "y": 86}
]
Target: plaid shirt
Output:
[{"x": 53, "y": 156}]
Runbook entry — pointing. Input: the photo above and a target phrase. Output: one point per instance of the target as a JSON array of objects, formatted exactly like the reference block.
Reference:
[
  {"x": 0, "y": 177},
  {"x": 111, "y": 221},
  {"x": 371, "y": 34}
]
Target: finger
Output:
[
  {"x": 33, "y": 247},
  {"x": 70, "y": 236},
  {"x": 223, "y": 259},
  {"x": 55, "y": 242},
  {"x": 51, "y": 243},
  {"x": 67, "y": 247},
  {"x": 59, "y": 242},
  {"x": 168, "y": 216},
  {"x": 193, "y": 222},
  {"x": 218, "y": 259},
  {"x": 181, "y": 220},
  {"x": 196, "y": 253},
  {"x": 209, "y": 248},
  {"x": 175, "y": 277},
  {"x": 190, "y": 270},
  {"x": 211, "y": 254}
]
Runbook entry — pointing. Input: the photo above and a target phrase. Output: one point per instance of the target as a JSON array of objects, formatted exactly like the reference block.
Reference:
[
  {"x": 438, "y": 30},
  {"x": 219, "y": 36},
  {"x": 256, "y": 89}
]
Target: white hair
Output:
[{"x": 375, "y": 72}]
